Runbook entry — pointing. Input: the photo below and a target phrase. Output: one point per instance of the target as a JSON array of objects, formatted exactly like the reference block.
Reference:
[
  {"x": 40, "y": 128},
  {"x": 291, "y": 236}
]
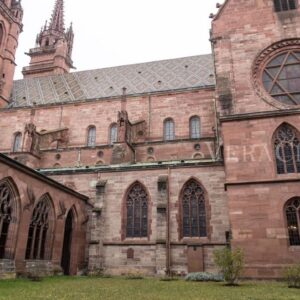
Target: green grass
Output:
[{"x": 81, "y": 288}]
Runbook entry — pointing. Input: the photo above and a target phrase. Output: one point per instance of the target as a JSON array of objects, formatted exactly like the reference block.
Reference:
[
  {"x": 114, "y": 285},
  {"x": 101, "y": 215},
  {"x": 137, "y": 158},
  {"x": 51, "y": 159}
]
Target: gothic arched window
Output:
[
  {"x": 195, "y": 127},
  {"x": 17, "y": 142},
  {"x": 282, "y": 5},
  {"x": 6, "y": 208},
  {"x": 113, "y": 135},
  {"x": 292, "y": 211},
  {"x": 91, "y": 138},
  {"x": 39, "y": 234},
  {"x": 287, "y": 150},
  {"x": 169, "y": 130},
  {"x": 137, "y": 212},
  {"x": 193, "y": 210}
]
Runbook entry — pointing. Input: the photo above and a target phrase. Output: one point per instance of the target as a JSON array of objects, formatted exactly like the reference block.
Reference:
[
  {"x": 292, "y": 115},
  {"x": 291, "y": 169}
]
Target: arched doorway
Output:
[{"x": 66, "y": 253}]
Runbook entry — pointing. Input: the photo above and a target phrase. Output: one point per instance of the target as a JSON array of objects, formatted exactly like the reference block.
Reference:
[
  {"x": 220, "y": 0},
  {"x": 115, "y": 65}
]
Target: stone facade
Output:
[{"x": 102, "y": 132}]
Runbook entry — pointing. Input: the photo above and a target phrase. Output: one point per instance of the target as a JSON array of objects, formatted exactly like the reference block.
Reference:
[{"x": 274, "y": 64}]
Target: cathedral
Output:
[{"x": 151, "y": 167}]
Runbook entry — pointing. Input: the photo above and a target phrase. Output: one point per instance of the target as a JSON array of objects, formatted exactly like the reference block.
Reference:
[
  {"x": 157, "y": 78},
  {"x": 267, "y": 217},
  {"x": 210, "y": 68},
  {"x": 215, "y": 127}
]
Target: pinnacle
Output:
[{"x": 57, "y": 19}]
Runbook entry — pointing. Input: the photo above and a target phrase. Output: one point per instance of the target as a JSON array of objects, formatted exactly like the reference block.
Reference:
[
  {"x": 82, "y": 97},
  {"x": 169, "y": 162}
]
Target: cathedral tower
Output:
[
  {"x": 11, "y": 14},
  {"x": 54, "y": 45}
]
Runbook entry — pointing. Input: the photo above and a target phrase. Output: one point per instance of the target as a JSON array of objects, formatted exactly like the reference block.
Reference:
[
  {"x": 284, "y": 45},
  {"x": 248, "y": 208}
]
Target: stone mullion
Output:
[
  {"x": 40, "y": 242},
  {"x": 1, "y": 225},
  {"x": 32, "y": 243}
]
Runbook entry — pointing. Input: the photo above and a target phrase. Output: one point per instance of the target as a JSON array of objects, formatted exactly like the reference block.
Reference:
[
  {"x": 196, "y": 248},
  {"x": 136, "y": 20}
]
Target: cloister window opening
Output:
[
  {"x": 283, "y": 5},
  {"x": 195, "y": 127},
  {"x": 292, "y": 211},
  {"x": 6, "y": 207},
  {"x": 137, "y": 212},
  {"x": 193, "y": 210},
  {"x": 287, "y": 150},
  {"x": 169, "y": 130},
  {"x": 39, "y": 231},
  {"x": 91, "y": 139}
]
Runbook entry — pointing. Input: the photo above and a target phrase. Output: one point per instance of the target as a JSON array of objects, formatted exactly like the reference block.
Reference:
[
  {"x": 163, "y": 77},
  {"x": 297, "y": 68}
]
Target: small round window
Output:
[{"x": 281, "y": 77}]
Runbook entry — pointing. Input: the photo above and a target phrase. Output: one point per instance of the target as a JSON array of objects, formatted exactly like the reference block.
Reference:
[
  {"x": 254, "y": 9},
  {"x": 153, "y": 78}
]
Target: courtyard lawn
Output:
[{"x": 81, "y": 288}]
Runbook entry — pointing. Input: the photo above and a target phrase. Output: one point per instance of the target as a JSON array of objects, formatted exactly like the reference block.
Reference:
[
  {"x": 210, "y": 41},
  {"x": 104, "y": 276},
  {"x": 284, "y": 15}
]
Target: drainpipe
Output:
[{"x": 168, "y": 239}]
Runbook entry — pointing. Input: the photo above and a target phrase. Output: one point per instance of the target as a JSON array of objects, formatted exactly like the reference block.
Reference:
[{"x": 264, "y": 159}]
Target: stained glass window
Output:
[
  {"x": 17, "y": 142},
  {"x": 292, "y": 211},
  {"x": 193, "y": 210},
  {"x": 137, "y": 212},
  {"x": 169, "y": 130},
  {"x": 195, "y": 127},
  {"x": 287, "y": 150},
  {"x": 282, "y": 5},
  {"x": 91, "y": 140},
  {"x": 113, "y": 133}
]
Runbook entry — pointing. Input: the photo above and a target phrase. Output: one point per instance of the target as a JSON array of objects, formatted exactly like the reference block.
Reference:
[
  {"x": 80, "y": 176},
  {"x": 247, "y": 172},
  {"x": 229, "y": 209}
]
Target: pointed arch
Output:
[
  {"x": 70, "y": 228},
  {"x": 286, "y": 144},
  {"x": 193, "y": 210},
  {"x": 9, "y": 217},
  {"x": 292, "y": 214},
  {"x": 40, "y": 233},
  {"x": 136, "y": 212}
]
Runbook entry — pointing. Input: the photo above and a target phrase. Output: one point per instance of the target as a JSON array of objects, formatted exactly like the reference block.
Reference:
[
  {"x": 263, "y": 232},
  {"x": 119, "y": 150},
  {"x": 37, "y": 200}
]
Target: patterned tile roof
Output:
[{"x": 166, "y": 75}]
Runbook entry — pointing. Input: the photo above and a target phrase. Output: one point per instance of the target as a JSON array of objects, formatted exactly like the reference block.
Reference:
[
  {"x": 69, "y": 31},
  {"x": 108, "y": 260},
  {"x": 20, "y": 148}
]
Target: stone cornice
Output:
[
  {"x": 133, "y": 167},
  {"x": 258, "y": 182},
  {"x": 260, "y": 115}
]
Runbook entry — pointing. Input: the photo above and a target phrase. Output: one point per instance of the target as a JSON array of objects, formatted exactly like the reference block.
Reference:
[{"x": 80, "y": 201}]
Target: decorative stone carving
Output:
[
  {"x": 63, "y": 210},
  {"x": 261, "y": 61},
  {"x": 31, "y": 198}
]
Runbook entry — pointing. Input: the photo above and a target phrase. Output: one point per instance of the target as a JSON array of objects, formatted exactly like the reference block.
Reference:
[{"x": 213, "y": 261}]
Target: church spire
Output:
[
  {"x": 53, "y": 49},
  {"x": 57, "y": 19}
]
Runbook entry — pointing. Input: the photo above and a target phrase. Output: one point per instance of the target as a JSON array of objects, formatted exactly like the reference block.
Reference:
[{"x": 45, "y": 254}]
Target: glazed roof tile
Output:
[{"x": 157, "y": 76}]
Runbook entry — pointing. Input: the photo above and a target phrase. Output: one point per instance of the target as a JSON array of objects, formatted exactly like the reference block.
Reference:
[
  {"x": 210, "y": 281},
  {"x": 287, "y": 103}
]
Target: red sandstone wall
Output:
[
  {"x": 23, "y": 182},
  {"x": 241, "y": 31},
  {"x": 110, "y": 250},
  {"x": 154, "y": 110}
]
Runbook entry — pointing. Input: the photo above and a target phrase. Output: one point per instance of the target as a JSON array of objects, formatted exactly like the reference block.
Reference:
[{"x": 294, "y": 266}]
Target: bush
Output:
[
  {"x": 292, "y": 276},
  {"x": 231, "y": 264},
  {"x": 204, "y": 276}
]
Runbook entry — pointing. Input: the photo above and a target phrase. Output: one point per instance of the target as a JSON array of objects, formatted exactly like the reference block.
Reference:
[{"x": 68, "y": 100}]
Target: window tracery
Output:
[
  {"x": 193, "y": 210},
  {"x": 287, "y": 150},
  {"x": 292, "y": 211},
  {"x": 137, "y": 212}
]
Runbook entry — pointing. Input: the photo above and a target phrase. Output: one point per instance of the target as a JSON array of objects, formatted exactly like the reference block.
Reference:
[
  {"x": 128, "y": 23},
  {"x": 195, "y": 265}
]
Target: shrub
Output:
[
  {"x": 292, "y": 276},
  {"x": 204, "y": 276},
  {"x": 231, "y": 264}
]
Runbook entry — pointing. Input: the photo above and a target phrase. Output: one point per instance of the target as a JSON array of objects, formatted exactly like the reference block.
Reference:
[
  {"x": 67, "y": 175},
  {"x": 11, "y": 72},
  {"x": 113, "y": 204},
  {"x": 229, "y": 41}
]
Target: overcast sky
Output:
[{"x": 118, "y": 32}]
